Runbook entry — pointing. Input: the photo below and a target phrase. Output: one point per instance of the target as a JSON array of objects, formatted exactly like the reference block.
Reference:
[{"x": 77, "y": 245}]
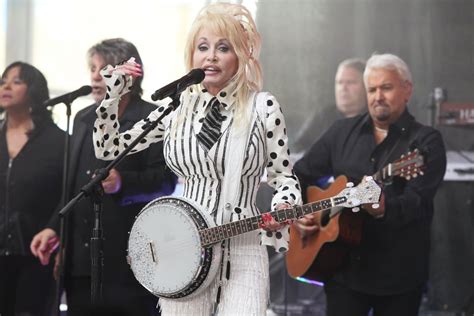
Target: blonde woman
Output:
[{"x": 223, "y": 128}]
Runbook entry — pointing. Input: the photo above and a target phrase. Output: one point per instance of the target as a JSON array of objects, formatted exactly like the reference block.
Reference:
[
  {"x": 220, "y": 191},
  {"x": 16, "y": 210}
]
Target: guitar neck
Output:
[
  {"x": 216, "y": 234},
  {"x": 391, "y": 170},
  {"x": 383, "y": 174}
]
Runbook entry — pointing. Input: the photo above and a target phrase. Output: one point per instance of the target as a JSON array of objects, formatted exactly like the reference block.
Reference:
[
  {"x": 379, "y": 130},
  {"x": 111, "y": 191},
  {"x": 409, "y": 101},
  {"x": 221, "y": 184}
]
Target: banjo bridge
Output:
[
  {"x": 152, "y": 246},
  {"x": 173, "y": 263}
]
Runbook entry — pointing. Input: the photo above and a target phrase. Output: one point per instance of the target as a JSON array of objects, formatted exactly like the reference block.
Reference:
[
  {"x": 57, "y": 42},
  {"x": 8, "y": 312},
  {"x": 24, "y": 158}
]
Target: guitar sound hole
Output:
[{"x": 325, "y": 217}]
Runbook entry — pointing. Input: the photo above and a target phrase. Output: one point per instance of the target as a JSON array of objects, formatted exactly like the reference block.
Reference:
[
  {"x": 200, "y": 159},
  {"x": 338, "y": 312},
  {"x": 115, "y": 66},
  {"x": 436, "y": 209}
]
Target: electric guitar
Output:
[{"x": 318, "y": 256}]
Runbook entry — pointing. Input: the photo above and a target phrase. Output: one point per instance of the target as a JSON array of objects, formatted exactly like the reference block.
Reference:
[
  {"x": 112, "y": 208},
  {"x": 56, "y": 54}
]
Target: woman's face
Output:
[
  {"x": 215, "y": 55},
  {"x": 13, "y": 90}
]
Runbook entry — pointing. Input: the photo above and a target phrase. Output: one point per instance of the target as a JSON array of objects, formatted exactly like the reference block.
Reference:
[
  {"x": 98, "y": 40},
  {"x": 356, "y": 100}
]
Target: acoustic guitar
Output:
[{"x": 320, "y": 255}]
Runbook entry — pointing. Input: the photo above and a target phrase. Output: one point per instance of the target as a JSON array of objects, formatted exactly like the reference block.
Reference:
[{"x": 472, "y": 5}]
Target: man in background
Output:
[
  {"x": 128, "y": 188},
  {"x": 350, "y": 101},
  {"x": 388, "y": 269}
]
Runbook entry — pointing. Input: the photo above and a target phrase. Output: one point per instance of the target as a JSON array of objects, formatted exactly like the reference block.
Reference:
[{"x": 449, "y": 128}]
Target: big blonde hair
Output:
[{"x": 235, "y": 23}]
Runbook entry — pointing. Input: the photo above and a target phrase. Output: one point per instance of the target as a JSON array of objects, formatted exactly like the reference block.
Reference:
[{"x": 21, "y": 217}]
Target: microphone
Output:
[
  {"x": 194, "y": 76},
  {"x": 439, "y": 96},
  {"x": 69, "y": 97}
]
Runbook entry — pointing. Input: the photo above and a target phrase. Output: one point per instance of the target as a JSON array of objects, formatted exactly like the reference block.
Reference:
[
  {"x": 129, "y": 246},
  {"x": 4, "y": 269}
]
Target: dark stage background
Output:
[{"x": 303, "y": 42}]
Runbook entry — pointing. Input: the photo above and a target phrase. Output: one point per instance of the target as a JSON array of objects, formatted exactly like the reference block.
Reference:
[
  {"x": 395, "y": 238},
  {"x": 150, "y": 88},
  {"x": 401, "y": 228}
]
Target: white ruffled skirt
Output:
[{"x": 245, "y": 293}]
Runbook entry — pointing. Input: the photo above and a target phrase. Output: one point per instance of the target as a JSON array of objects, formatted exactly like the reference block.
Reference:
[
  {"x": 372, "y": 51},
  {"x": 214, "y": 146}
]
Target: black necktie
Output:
[{"x": 211, "y": 127}]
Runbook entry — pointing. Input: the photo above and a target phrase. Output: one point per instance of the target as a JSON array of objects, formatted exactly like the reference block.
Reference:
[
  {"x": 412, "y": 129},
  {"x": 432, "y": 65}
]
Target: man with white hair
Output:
[{"x": 388, "y": 269}]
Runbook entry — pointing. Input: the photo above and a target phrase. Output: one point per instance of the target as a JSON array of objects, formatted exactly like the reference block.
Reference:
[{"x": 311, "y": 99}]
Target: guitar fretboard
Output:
[
  {"x": 216, "y": 234},
  {"x": 383, "y": 174}
]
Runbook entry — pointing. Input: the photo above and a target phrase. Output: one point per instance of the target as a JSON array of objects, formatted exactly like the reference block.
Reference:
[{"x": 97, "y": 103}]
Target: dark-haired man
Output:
[{"x": 128, "y": 188}]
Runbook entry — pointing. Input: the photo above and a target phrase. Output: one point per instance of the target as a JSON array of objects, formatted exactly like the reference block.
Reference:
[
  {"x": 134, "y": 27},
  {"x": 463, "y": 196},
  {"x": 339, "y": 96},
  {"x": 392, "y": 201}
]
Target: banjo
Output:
[{"x": 173, "y": 247}]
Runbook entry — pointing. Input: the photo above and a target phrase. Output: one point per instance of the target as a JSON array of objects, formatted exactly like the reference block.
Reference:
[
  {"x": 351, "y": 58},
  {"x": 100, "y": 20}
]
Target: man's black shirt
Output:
[{"x": 393, "y": 254}]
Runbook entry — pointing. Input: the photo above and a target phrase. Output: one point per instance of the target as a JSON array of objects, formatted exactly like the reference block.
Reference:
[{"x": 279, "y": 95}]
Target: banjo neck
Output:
[
  {"x": 366, "y": 192},
  {"x": 210, "y": 236}
]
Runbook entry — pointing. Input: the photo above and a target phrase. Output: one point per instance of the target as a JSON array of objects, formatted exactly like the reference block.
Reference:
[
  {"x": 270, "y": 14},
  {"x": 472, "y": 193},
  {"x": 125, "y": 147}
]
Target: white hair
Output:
[{"x": 390, "y": 62}]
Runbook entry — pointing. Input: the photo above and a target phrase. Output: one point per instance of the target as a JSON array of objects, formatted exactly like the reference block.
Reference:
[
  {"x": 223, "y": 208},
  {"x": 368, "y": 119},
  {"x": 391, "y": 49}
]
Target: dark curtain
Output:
[{"x": 303, "y": 42}]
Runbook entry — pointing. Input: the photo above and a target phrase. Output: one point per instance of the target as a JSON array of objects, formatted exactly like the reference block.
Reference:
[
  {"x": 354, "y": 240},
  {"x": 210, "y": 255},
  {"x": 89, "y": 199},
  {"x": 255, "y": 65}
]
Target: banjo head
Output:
[{"x": 165, "y": 251}]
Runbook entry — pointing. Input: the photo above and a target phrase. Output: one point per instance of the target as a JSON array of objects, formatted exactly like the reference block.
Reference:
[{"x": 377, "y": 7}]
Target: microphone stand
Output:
[
  {"x": 94, "y": 189},
  {"x": 433, "y": 110},
  {"x": 437, "y": 98},
  {"x": 97, "y": 239},
  {"x": 62, "y": 225}
]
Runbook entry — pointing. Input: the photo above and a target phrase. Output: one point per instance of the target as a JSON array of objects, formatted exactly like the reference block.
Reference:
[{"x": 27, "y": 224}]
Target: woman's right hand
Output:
[{"x": 43, "y": 244}]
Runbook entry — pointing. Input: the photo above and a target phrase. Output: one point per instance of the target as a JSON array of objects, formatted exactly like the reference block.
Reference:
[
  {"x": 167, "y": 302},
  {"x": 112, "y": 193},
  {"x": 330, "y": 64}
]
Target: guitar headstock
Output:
[
  {"x": 366, "y": 192},
  {"x": 409, "y": 165}
]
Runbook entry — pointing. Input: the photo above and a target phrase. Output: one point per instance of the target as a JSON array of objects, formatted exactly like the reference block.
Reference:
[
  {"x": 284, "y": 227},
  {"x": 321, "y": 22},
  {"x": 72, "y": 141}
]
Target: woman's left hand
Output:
[
  {"x": 270, "y": 224},
  {"x": 119, "y": 79}
]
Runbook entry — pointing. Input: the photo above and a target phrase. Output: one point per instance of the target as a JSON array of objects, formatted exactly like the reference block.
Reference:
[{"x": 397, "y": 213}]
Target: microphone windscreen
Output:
[{"x": 198, "y": 74}]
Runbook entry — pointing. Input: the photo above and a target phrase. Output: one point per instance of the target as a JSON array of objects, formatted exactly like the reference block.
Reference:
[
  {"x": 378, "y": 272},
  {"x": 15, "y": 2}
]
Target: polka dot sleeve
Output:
[
  {"x": 279, "y": 171},
  {"x": 108, "y": 142}
]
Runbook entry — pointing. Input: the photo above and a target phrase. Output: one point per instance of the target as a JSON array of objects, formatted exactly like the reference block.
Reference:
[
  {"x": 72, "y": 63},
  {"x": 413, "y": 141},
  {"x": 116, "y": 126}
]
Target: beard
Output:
[{"x": 381, "y": 112}]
